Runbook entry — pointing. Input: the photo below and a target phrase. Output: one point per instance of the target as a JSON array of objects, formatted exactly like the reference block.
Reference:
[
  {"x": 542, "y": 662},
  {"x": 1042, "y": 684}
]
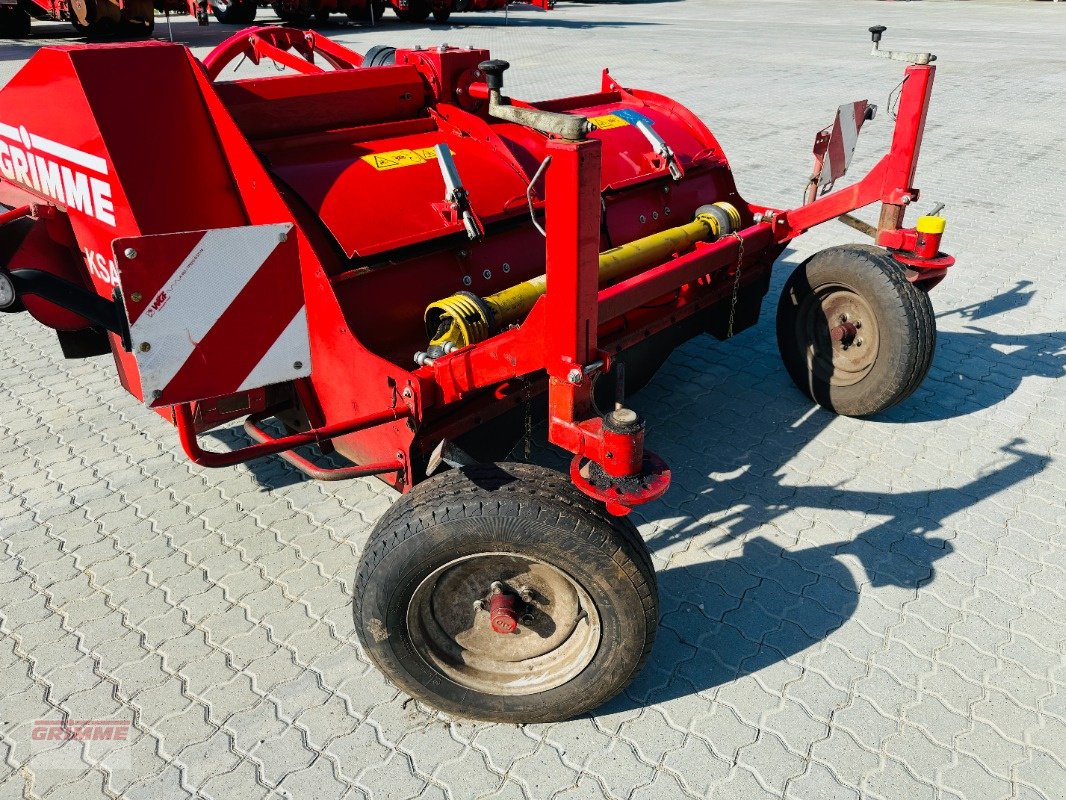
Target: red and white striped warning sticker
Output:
[
  {"x": 214, "y": 312},
  {"x": 837, "y": 150}
]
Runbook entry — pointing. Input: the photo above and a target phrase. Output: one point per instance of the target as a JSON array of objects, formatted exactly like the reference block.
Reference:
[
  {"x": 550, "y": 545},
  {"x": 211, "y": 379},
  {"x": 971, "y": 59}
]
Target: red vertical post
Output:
[
  {"x": 611, "y": 447},
  {"x": 572, "y": 195},
  {"x": 906, "y": 140}
]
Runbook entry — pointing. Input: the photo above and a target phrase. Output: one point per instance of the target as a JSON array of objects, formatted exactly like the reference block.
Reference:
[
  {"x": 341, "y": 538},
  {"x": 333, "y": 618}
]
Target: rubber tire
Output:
[
  {"x": 380, "y": 55},
  {"x": 14, "y": 23},
  {"x": 95, "y": 29},
  {"x": 372, "y": 12},
  {"x": 440, "y": 16},
  {"x": 520, "y": 507},
  {"x": 300, "y": 17},
  {"x": 417, "y": 12},
  {"x": 906, "y": 328},
  {"x": 239, "y": 12}
]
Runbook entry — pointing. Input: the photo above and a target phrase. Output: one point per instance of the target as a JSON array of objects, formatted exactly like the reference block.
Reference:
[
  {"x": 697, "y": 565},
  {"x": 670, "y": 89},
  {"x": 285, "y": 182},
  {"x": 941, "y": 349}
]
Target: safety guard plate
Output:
[{"x": 214, "y": 312}]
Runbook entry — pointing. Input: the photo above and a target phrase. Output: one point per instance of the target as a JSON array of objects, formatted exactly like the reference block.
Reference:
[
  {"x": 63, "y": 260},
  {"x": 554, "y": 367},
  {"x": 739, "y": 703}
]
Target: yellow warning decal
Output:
[
  {"x": 394, "y": 159},
  {"x": 426, "y": 153},
  {"x": 608, "y": 121}
]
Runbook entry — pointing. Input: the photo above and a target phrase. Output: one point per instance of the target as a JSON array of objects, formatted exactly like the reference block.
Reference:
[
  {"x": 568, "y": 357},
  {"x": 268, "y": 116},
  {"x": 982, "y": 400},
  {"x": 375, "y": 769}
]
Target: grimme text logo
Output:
[
  {"x": 52, "y": 730},
  {"x": 73, "y": 744}
]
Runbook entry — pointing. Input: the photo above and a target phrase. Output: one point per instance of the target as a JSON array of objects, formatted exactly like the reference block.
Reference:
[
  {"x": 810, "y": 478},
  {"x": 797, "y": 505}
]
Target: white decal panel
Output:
[{"x": 76, "y": 180}]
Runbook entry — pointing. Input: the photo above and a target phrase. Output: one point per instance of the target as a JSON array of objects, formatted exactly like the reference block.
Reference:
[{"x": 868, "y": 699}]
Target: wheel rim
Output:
[
  {"x": 840, "y": 332},
  {"x": 557, "y": 635}
]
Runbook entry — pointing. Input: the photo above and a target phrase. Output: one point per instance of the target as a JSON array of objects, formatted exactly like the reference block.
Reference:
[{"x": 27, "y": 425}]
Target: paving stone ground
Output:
[{"x": 849, "y": 608}]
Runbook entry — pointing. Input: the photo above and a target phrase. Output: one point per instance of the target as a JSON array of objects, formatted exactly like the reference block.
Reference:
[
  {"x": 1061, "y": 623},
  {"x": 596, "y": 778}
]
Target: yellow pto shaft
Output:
[{"x": 464, "y": 318}]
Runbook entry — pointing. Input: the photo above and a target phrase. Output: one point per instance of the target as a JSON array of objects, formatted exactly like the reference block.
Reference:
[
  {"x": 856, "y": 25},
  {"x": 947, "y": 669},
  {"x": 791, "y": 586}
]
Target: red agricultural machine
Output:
[
  {"x": 133, "y": 19},
  {"x": 302, "y": 12},
  {"x": 129, "y": 19},
  {"x": 390, "y": 259}
]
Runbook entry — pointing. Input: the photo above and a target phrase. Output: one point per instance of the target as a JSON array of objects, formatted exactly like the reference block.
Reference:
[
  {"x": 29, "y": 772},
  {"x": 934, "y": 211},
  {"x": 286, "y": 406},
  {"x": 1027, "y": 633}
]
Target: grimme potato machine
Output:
[
  {"x": 387, "y": 257},
  {"x": 301, "y": 12},
  {"x": 132, "y": 19}
]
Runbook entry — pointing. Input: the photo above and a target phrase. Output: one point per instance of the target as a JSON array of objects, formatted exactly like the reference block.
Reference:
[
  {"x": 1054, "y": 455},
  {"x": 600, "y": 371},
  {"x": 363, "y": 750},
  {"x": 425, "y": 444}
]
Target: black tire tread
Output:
[
  {"x": 444, "y": 489},
  {"x": 920, "y": 313},
  {"x": 238, "y": 13},
  {"x": 485, "y": 490},
  {"x": 917, "y": 317},
  {"x": 417, "y": 13},
  {"x": 299, "y": 17}
]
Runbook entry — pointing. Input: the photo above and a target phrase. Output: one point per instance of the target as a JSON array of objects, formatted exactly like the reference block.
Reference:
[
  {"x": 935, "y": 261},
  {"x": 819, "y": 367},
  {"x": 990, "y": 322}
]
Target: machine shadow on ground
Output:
[
  {"x": 41, "y": 35},
  {"x": 727, "y": 617}
]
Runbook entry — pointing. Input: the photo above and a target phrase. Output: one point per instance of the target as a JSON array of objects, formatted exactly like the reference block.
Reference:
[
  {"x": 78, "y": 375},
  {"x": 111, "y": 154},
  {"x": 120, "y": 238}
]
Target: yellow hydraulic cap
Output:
[
  {"x": 930, "y": 224},
  {"x": 465, "y": 318}
]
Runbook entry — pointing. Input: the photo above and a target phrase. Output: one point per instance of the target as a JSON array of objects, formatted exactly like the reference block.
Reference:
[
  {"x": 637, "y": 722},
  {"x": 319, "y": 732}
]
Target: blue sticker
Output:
[{"x": 631, "y": 116}]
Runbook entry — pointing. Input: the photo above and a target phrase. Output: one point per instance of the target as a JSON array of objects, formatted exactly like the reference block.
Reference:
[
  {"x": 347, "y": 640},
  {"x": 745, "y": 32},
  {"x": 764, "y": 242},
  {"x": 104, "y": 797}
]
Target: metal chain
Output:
[{"x": 736, "y": 283}]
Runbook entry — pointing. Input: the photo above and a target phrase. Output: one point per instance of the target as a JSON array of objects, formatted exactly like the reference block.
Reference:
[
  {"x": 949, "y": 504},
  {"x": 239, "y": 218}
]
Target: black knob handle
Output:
[
  {"x": 876, "y": 31},
  {"x": 494, "y": 72}
]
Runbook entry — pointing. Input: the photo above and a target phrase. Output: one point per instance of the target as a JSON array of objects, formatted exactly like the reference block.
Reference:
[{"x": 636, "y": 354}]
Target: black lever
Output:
[
  {"x": 494, "y": 70},
  {"x": 876, "y": 31}
]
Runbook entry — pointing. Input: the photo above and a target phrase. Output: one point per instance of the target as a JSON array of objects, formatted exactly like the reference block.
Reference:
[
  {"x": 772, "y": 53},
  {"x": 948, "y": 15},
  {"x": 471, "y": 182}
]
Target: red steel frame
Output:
[
  {"x": 274, "y": 43},
  {"x": 561, "y": 335}
]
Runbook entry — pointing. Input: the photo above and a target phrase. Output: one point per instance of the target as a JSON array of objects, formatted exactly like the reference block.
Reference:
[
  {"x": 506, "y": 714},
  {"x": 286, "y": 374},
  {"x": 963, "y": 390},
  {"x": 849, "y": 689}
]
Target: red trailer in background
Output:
[
  {"x": 133, "y": 19},
  {"x": 96, "y": 19},
  {"x": 301, "y": 12}
]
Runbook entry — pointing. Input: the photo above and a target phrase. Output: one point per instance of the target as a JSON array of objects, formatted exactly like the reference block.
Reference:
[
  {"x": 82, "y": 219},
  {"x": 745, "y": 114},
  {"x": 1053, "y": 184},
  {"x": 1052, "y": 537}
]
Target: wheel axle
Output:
[
  {"x": 502, "y": 613},
  {"x": 844, "y": 333}
]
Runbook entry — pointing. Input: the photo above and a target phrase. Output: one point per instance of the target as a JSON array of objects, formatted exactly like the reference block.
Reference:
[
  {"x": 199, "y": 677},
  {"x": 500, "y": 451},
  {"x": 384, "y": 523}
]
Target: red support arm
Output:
[
  {"x": 273, "y": 43},
  {"x": 890, "y": 181}
]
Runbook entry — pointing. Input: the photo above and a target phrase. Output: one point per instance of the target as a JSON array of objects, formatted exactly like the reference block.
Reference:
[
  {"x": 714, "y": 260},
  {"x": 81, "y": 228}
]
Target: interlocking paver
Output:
[
  {"x": 771, "y": 762},
  {"x": 968, "y": 778},
  {"x": 238, "y": 784},
  {"x": 393, "y": 777},
  {"x": 849, "y": 608},
  {"x": 316, "y": 780},
  {"x": 818, "y": 782}
]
